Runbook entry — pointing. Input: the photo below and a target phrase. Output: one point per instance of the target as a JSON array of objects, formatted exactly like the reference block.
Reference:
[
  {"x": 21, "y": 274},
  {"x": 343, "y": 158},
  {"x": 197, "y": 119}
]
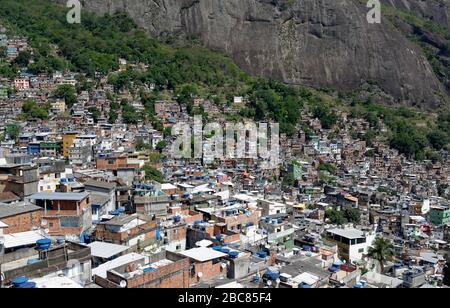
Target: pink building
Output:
[{"x": 22, "y": 83}]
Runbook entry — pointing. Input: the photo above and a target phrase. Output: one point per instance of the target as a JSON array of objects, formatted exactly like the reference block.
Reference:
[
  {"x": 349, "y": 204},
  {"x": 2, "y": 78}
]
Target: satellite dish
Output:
[
  {"x": 123, "y": 284},
  {"x": 43, "y": 223},
  {"x": 200, "y": 275},
  {"x": 269, "y": 282},
  {"x": 47, "y": 231},
  {"x": 224, "y": 265},
  {"x": 278, "y": 280}
]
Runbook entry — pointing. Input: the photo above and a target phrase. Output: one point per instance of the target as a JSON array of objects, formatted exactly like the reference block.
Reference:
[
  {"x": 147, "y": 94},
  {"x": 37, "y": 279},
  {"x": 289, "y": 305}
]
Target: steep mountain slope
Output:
[
  {"x": 435, "y": 10},
  {"x": 320, "y": 43}
]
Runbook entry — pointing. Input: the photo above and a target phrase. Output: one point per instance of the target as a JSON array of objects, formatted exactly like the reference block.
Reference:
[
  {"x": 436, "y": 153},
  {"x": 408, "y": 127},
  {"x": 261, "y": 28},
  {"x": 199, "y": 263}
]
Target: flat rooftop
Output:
[
  {"x": 106, "y": 250},
  {"x": 203, "y": 254},
  {"x": 348, "y": 233},
  {"x": 60, "y": 196}
]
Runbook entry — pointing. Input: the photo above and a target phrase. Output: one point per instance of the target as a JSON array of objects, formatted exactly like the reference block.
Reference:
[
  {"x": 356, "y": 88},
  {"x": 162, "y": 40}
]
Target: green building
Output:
[
  {"x": 295, "y": 169},
  {"x": 439, "y": 215},
  {"x": 50, "y": 148}
]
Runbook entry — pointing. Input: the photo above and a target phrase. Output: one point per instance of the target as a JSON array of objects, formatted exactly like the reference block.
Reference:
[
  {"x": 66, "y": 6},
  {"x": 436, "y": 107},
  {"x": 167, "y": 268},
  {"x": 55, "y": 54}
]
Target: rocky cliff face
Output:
[
  {"x": 320, "y": 43},
  {"x": 436, "y": 10}
]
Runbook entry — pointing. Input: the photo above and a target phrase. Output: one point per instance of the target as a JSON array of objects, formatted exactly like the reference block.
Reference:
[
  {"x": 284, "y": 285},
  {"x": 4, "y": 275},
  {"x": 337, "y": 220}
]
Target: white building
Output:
[{"x": 353, "y": 244}]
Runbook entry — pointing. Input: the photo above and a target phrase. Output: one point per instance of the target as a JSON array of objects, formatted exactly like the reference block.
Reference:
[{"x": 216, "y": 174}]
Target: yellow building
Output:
[{"x": 68, "y": 140}]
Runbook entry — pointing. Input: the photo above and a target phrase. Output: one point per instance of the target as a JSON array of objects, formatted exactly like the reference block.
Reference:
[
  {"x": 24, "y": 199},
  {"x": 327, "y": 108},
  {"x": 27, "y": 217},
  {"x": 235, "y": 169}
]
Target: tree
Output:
[
  {"x": 328, "y": 168},
  {"x": 382, "y": 250},
  {"x": 141, "y": 146},
  {"x": 23, "y": 58},
  {"x": 68, "y": 93},
  {"x": 12, "y": 131},
  {"x": 152, "y": 174},
  {"x": 335, "y": 217},
  {"x": 95, "y": 113},
  {"x": 113, "y": 116},
  {"x": 352, "y": 215},
  {"x": 2, "y": 52},
  {"x": 129, "y": 114},
  {"x": 438, "y": 139},
  {"x": 32, "y": 110},
  {"x": 326, "y": 116},
  {"x": 161, "y": 145}
]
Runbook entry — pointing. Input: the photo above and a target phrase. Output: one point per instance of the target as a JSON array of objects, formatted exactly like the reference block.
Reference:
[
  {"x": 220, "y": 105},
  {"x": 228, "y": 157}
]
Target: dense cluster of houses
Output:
[{"x": 72, "y": 188}]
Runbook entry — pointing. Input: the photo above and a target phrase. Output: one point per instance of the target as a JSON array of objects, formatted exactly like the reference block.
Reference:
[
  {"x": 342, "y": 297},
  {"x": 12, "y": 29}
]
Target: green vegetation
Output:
[
  {"x": 161, "y": 146},
  {"x": 326, "y": 116},
  {"x": 141, "y": 146},
  {"x": 12, "y": 131},
  {"x": 31, "y": 110},
  {"x": 433, "y": 38},
  {"x": 152, "y": 174},
  {"x": 348, "y": 215},
  {"x": 96, "y": 114},
  {"x": 67, "y": 93},
  {"x": 382, "y": 250},
  {"x": 410, "y": 132},
  {"x": 328, "y": 168},
  {"x": 97, "y": 43}
]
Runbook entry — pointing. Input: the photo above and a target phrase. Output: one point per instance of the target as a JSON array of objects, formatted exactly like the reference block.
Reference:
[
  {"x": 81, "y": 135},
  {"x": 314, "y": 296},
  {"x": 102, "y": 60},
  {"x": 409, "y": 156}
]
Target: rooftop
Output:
[
  {"x": 348, "y": 233},
  {"x": 22, "y": 239},
  {"x": 203, "y": 254},
  {"x": 60, "y": 196},
  {"x": 8, "y": 210},
  {"x": 106, "y": 250}
]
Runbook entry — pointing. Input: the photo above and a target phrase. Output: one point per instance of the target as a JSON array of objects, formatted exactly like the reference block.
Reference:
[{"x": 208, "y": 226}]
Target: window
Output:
[
  {"x": 50, "y": 224},
  {"x": 361, "y": 250}
]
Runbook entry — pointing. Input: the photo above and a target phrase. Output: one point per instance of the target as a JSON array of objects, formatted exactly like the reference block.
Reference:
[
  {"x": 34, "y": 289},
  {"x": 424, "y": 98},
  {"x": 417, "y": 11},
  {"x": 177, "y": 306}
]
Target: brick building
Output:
[
  {"x": 65, "y": 213},
  {"x": 129, "y": 230},
  {"x": 165, "y": 270},
  {"x": 20, "y": 217}
]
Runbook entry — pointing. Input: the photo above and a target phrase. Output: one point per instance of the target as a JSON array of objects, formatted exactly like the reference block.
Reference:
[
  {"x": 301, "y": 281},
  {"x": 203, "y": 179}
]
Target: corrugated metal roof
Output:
[
  {"x": 22, "y": 239},
  {"x": 203, "y": 254},
  {"x": 106, "y": 250},
  {"x": 60, "y": 196},
  {"x": 8, "y": 210}
]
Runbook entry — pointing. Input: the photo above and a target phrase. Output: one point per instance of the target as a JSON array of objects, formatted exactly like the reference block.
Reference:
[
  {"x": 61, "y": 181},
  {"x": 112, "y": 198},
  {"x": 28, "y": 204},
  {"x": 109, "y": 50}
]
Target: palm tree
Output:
[{"x": 381, "y": 250}]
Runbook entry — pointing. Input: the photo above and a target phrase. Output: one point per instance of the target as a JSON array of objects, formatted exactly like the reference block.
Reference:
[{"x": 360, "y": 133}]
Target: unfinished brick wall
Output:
[
  {"x": 209, "y": 271},
  {"x": 175, "y": 275},
  {"x": 22, "y": 222}
]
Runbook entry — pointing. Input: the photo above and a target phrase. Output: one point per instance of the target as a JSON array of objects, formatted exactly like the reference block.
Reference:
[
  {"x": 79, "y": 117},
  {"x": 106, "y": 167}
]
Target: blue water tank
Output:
[
  {"x": 233, "y": 254},
  {"x": 43, "y": 244},
  {"x": 18, "y": 281},
  {"x": 33, "y": 261},
  {"x": 149, "y": 270},
  {"x": 176, "y": 218},
  {"x": 225, "y": 250},
  {"x": 304, "y": 286},
  {"x": 217, "y": 248},
  {"x": 27, "y": 285},
  {"x": 115, "y": 213},
  {"x": 262, "y": 254}
]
